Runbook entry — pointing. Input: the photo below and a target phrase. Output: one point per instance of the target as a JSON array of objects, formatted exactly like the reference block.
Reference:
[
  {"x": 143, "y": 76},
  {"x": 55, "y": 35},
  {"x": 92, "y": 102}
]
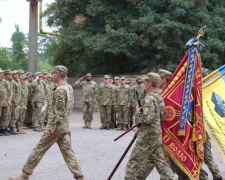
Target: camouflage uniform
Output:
[
  {"x": 38, "y": 96},
  {"x": 113, "y": 110},
  {"x": 49, "y": 99},
  {"x": 15, "y": 100},
  {"x": 105, "y": 98},
  {"x": 29, "y": 111},
  {"x": 122, "y": 100},
  {"x": 7, "y": 111},
  {"x": 89, "y": 90},
  {"x": 2, "y": 103},
  {"x": 148, "y": 151},
  {"x": 58, "y": 120},
  {"x": 141, "y": 95}
]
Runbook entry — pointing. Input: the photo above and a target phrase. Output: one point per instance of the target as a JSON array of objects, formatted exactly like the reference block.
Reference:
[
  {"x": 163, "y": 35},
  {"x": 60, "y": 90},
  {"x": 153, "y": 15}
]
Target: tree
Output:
[
  {"x": 5, "y": 60},
  {"x": 19, "y": 47},
  {"x": 127, "y": 36}
]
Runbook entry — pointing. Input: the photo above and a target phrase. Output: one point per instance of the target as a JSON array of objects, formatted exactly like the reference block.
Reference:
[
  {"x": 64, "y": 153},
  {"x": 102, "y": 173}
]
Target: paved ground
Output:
[{"x": 95, "y": 149}]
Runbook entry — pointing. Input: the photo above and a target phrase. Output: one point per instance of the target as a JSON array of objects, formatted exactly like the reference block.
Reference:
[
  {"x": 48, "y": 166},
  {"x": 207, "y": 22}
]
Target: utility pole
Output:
[{"x": 33, "y": 35}]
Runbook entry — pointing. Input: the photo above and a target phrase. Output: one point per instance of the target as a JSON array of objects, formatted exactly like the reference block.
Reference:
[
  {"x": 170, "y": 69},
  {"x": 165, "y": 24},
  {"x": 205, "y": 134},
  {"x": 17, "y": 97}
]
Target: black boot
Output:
[
  {"x": 6, "y": 132},
  {"x": 1, "y": 132},
  {"x": 220, "y": 178}
]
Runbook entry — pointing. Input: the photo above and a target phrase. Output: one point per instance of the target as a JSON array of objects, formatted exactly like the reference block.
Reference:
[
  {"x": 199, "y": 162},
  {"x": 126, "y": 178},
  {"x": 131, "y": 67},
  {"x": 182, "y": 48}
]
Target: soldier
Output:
[
  {"x": 50, "y": 87},
  {"x": 110, "y": 80},
  {"x": 105, "y": 98},
  {"x": 164, "y": 79},
  {"x": 148, "y": 151},
  {"x": 37, "y": 101},
  {"x": 140, "y": 89},
  {"x": 20, "y": 72},
  {"x": 89, "y": 90},
  {"x": 3, "y": 101},
  {"x": 208, "y": 158},
  {"x": 57, "y": 130},
  {"x": 7, "y": 110},
  {"x": 23, "y": 104},
  {"x": 122, "y": 103},
  {"x": 15, "y": 102}
]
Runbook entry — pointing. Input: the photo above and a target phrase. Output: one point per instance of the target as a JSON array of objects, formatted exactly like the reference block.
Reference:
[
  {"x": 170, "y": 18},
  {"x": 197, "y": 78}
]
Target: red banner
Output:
[{"x": 183, "y": 136}]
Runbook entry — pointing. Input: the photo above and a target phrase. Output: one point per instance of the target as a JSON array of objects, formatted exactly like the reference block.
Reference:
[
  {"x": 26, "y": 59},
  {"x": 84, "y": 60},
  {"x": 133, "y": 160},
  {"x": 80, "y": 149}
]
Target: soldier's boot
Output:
[
  {"x": 108, "y": 127},
  {"x": 89, "y": 125},
  {"x": 1, "y": 132},
  {"x": 22, "y": 131},
  {"x": 23, "y": 176},
  {"x": 37, "y": 129},
  {"x": 85, "y": 125},
  {"x": 80, "y": 178},
  {"x": 124, "y": 127},
  {"x": 120, "y": 126},
  {"x": 5, "y": 132},
  {"x": 13, "y": 132},
  {"x": 19, "y": 130},
  {"x": 220, "y": 178}
]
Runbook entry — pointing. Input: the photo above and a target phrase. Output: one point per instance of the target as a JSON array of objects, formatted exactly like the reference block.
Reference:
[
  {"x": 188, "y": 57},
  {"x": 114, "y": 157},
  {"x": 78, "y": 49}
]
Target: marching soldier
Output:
[
  {"x": 105, "y": 98},
  {"x": 148, "y": 151},
  {"x": 122, "y": 103},
  {"x": 57, "y": 130},
  {"x": 89, "y": 90}
]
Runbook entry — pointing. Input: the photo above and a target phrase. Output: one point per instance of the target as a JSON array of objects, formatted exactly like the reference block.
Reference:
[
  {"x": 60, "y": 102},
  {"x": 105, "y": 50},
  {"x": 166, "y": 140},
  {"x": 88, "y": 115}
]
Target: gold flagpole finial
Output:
[{"x": 201, "y": 32}]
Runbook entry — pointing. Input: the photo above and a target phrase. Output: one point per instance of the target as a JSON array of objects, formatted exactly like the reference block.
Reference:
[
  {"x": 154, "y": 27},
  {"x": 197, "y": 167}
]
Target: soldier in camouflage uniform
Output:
[
  {"x": 148, "y": 151},
  {"x": 15, "y": 102},
  {"x": 3, "y": 101},
  {"x": 57, "y": 130},
  {"x": 23, "y": 104},
  {"x": 7, "y": 110},
  {"x": 105, "y": 100},
  {"x": 38, "y": 97},
  {"x": 89, "y": 90},
  {"x": 122, "y": 103},
  {"x": 50, "y": 87},
  {"x": 140, "y": 89}
]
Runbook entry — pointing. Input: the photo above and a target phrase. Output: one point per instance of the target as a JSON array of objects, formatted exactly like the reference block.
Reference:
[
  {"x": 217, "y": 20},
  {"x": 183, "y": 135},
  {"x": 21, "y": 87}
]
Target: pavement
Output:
[{"x": 94, "y": 148}]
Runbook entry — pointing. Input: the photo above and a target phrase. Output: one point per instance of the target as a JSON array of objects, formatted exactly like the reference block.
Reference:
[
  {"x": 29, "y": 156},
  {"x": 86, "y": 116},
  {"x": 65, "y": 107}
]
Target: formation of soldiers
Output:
[{"x": 24, "y": 101}]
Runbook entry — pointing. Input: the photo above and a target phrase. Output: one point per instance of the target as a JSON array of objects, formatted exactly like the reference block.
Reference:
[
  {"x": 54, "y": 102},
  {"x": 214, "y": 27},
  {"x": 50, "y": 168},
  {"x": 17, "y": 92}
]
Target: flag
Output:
[
  {"x": 213, "y": 91},
  {"x": 183, "y": 127}
]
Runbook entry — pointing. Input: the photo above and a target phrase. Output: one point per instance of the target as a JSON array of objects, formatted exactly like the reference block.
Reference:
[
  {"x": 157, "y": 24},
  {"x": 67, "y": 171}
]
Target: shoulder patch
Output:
[{"x": 146, "y": 110}]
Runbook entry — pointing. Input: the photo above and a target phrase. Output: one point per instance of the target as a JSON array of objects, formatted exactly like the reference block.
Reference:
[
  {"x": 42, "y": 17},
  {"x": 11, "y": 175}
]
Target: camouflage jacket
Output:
[
  {"x": 71, "y": 98},
  {"x": 2, "y": 95},
  {"x": 89, "y": 90},
  {"x": 153, "y": 115},
  {"x": 23, "y": 100},
  {"x": 16, "y": 92},
  {"x": 60, "y": 109},
  {"x": 114, "y": 93},
  {"x": 37, "y": 92},
  {"x": 9, "y": 93},
  {"x": 142, "y": 92},
  {"x": 105, "y": 94},
  {"x": 123, "y": 95}
]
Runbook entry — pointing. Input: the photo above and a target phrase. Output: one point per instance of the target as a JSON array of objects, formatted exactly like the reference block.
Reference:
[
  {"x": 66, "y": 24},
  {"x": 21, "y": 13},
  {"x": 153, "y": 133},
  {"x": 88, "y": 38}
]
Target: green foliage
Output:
[
  {"x": 44, "y": 65},
  {"x": 19, "y": 46},
  {"x": 128, "y": 36},
  {"x": 5, "y": 60}
]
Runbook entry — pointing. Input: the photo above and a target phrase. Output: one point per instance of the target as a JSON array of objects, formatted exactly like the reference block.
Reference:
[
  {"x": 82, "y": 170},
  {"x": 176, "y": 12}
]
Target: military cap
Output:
[
  {"x": 110, "y": 77},
  {"x": 20, "y": 71},
  {"x": 60, "y": 69},
  {"x": 164, "y": 73},
  {"x": 205, "y": 72},
  {"x": 129, "y": 81},
  {"x": 106, "y": 77},
  {"x": 14, "y": 72},
  {"x": 88, "y": 74},
  {"x": 122, "y": 78},
  {"x": 7, "y": 71},
  {"x": 139, "y": 77},
  {"x": 38, "y": 74},
  {"x": 116, "y": 78},
  {"x": 1, "y": 71},
  {"x": 44, "y": 72},
  {"x": 154, "y": 77},
  {"x": 23, "y": 77}
]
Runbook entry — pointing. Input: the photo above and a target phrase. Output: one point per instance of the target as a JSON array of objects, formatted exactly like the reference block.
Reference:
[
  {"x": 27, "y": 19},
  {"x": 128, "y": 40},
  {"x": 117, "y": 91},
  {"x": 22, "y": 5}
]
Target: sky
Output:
[{"x": 16, "y": 12}]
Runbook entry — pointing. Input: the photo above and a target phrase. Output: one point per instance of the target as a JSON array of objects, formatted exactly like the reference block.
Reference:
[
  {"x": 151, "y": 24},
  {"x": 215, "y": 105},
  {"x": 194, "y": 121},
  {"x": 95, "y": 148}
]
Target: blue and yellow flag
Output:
[{"x": 213, "y": 91}]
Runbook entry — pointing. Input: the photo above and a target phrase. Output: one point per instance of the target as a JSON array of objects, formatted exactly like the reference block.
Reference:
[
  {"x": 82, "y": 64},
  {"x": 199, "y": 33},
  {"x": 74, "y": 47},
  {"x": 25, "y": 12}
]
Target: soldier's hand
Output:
[
  {"x": 82, "y": 78},
  {"x": 133, "y": 106},
  {"x": 110, "y": 105},
  {"x": 138, "y": 108},
  {"x": 43, "y": 103},
  {"x": 94, "y": 101},
  {"x": 37, "y": 77},
  {"x": 136, "y": 132},
  {"x": 128, "y": 106},
  {"x": 14, "y": 105},
  {"x": 115, "y": 106},
  {"x": 53, "y": 135}
]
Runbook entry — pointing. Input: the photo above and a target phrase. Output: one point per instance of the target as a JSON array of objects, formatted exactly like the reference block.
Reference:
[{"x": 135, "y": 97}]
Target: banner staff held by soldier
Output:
[{"x": 57, "y": 130}]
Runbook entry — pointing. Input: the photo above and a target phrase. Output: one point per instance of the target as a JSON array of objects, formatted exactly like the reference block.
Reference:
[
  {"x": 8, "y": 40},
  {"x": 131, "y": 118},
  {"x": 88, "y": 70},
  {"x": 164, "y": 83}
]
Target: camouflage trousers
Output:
[
  {"x": 144, "y": 158},
  {"x": 21, "y": 119},
  {"x": 132, "y": 112},
  {"x": 88, "y": 111},
  {"x": 36, "y": 116},
  {"x": 6, "y": 117},
  {"x": 113, "y": 116},
  {"x": 209, "y": 161},
  {"x": 15, "y": 116},
  {"x": 105, "y": 115},
  {"x": 29, "y": 113},
  {"x": 123, "y": 113},
  {"x": 64, "y": 143},
  {"x": 181, "y": 174}
]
